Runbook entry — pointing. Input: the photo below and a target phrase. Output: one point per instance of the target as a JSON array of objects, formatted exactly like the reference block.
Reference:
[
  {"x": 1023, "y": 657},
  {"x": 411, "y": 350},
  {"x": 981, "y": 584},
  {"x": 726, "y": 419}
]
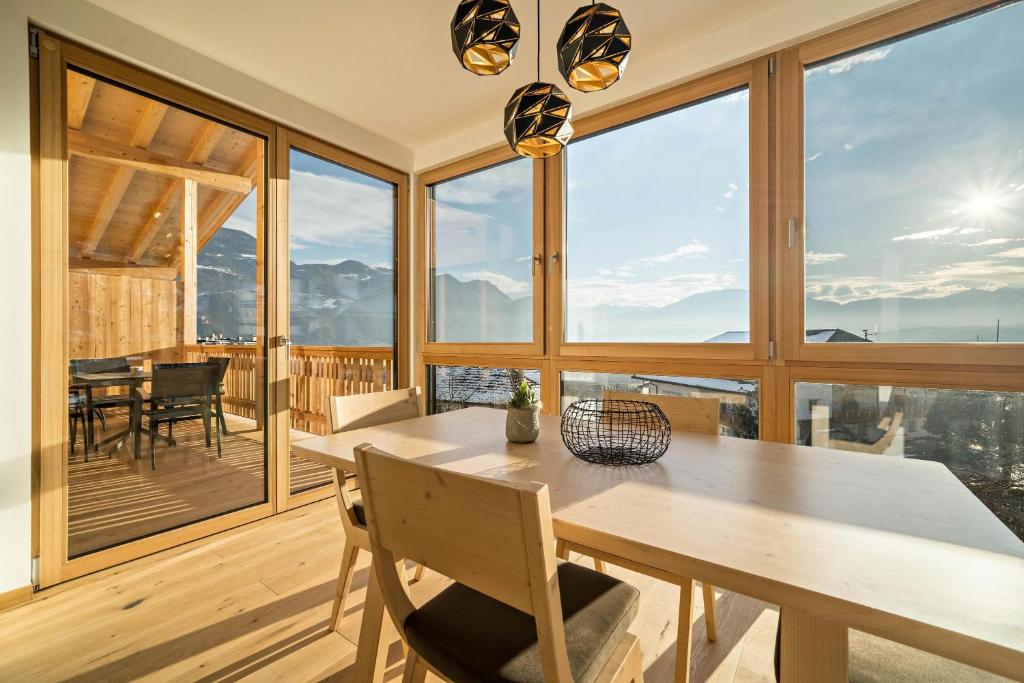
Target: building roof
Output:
[
  {"x": 469, "y": 385},
  {"x": 727, "y": 386},
  {"x": 833, "y": 334}
]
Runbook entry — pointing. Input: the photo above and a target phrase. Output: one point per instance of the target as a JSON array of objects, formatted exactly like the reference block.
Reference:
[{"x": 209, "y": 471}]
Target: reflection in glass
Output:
[
  {"x": 978, "y": 435},
  {"x": 657, "y": 228},
  {"x": 738, "y": 399},
  {"x": 341, "y": 232},
  {"x": 165, "y": 322},
  {"x": 915, "y": 186},
  {"x": 482, "y": 256},
  {"x": 453, "y": 387}
]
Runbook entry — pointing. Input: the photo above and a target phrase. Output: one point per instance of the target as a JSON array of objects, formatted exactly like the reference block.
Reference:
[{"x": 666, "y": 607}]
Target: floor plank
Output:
[{"x": 253, "y": 603}]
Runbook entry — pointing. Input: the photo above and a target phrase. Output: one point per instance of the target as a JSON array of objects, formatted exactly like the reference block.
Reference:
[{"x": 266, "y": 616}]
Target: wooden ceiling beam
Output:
[
  {"x": 202, "y": 148},
  {"x": 221, "y": 208},
  {"x": 80, "y": 88},
  {"x": 92, "y": 147},
  {"x": 149, "y": 122}
]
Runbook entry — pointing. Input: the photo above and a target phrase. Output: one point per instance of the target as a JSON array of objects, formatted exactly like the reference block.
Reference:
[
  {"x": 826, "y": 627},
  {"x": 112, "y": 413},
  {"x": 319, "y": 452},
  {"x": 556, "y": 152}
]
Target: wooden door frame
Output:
[
  {"x": 288, "y": 139},
  {"x": 50, "y": 344}
]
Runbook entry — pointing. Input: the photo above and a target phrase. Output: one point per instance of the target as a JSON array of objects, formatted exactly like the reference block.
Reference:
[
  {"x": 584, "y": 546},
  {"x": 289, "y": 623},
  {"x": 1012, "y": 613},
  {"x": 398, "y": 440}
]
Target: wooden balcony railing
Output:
[{"x": 315, "y": 372}]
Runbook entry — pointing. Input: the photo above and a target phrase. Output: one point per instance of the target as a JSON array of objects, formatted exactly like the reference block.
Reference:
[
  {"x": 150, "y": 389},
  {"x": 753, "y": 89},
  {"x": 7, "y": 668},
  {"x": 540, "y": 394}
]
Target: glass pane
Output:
[
  {"x": 915, "y": 187},
  {"x": 738, "y": 398},
  {"x": 342, "y": 277},
  {"x": 165, "y": 298},
  {"x": 481, "y": 256},
  {"x": 460, "y": 386},
  {"x": 978, "y": 435},
  {"x": 657, "y": 228}
]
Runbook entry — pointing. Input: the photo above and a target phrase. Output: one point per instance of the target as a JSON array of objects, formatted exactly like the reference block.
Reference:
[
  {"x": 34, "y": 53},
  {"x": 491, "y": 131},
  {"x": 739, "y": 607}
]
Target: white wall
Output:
[
  {"x": 15, "y": 303},
  {"x": 776, "y": 27}
]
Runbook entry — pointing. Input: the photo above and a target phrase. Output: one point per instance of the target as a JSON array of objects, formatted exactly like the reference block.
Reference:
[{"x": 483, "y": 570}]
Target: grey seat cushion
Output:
[
  {"x": 470, "y": 637},
  {"x": 360, "y": 513}
]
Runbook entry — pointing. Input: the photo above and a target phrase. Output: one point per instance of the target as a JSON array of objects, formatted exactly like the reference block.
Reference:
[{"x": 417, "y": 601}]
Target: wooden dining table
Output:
[
  {"x": 895, "y": 547},
  {"x": 89, "y": 382}
]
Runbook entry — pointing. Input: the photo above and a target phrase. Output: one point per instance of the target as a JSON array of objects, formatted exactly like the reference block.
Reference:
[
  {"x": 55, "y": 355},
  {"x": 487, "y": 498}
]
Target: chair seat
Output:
[
  {"x": 112, "y": 400},
  {"x": 470, "y": 637}
]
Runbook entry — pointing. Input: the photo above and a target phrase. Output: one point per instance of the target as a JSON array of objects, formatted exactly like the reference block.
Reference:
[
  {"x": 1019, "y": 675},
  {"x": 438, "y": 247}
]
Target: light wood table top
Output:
[{"x": 895, "y": 547}]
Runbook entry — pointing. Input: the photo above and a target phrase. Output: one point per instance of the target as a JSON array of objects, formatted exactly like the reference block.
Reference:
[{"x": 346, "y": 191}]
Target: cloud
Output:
[
  {"x": 926, "y": 234},
  {"x": 845, "y": 64},
  {"x": 813, "y": 157},
  {"x": 812, "y": 258},
  {"x": 489, "y": 186},
  {"x": 847, "y": 146},
  {"x": 515, "y": 289},
  {"x": 731, "y": 192},
  {"x": 328, "y": 210},
  {"x": 688, "y": 251},
  {"x": 991, "y": 242},
  {"x": 1013, "y": 253},
  {"x": 598, "y": 291}
]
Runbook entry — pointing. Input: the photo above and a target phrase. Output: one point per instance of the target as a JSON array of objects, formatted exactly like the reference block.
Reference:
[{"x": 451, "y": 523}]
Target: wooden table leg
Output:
[
  {"x": 684, "y": 633},
  {"x": 814, "y": 650},
  {"x": 374, "y": 634}
]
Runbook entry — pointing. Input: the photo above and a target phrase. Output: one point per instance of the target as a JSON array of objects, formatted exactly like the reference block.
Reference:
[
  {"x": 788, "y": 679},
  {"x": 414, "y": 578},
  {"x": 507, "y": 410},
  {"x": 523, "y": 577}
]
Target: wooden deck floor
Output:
[
  {"x": 115, "y": 498},
  {"x": 253, "y": 603}
]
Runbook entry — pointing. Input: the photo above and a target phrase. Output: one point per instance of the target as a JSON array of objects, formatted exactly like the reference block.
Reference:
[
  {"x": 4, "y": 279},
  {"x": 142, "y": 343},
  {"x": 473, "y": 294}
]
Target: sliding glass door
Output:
[{"x": 342, "y": 275}]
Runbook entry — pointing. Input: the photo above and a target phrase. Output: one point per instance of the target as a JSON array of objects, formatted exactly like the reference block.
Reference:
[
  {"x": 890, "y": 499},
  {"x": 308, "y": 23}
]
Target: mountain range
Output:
[{"x": 351, "y": 304}]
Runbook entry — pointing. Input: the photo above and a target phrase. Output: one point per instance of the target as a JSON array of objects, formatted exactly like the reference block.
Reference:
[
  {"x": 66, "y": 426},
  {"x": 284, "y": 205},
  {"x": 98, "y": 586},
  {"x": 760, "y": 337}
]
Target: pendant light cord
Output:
[{"x": 538, "y": 40}]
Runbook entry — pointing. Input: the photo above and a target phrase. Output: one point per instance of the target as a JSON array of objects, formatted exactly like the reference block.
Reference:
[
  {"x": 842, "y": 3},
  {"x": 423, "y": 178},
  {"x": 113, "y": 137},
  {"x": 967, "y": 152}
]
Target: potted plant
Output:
[{"x": 522, "y": 420}]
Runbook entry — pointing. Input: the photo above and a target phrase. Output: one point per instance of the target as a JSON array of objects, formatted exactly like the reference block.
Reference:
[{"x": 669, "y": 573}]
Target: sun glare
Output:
[{"x": 983, "y": 205}]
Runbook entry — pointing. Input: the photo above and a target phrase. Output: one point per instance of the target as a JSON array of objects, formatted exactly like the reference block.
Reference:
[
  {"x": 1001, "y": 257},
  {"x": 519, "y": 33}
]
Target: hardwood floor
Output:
[
  {"x": 115, "y": 498},
  {"x": 253, "y": 603}
]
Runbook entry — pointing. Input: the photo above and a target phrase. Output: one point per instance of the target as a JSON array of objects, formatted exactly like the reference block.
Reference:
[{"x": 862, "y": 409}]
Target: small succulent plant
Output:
[{"x": 523, "y": 396}]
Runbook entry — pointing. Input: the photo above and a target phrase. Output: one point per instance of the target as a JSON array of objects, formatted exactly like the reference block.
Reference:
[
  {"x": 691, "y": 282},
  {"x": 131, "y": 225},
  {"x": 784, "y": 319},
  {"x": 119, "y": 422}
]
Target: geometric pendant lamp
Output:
[
  {"x": 538, "y": 120},
  {"x": 484, "y": 35},
  {"x": 594, "y": 47}
]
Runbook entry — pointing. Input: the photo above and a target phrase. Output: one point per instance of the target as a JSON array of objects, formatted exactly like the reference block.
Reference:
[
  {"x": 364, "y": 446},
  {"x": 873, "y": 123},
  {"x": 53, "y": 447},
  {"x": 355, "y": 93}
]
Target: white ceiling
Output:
[{"x": 388, "y": 66}]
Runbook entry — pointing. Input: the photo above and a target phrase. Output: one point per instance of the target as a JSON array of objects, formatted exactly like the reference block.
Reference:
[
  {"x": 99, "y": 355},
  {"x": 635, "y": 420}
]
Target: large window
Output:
[
  {"x": 456, "y": 387},
  {"x": 737, "y": 398},
  {"x": 915, "y": 186},
  {"x": 657, "y": 228},
  {"x": 481, "y": 256},
  {"x": 978, "y": 435}
]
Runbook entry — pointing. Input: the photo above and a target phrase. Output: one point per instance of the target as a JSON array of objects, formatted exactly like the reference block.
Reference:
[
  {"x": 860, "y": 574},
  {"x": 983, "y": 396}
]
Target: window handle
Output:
[
  {"x": 538, "y": 259},
  {"x": 792, "y": 232},
  {"x": 555, "y": 257}
]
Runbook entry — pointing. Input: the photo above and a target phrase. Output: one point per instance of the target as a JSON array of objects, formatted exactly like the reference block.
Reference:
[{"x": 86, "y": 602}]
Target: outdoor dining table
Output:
[
  {"x": 895, "y": 547},
  {"x": 90, "y": 381}
]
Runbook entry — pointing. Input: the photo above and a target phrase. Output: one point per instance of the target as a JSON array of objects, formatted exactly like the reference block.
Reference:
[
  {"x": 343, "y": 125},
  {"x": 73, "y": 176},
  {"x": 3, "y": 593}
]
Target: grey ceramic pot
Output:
[{"x": 522, "y": 425}]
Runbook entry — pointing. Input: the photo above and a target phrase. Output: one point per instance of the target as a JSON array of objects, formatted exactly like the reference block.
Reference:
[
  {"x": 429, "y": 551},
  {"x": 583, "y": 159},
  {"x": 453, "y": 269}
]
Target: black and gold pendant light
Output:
[
  {"x": 594, "y": 47},
  {"x": 538, "y": 117},
  {"x": 485, "y": 34}
]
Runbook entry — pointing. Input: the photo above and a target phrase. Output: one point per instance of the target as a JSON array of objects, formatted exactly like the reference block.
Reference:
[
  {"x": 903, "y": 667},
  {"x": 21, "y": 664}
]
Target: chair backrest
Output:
[
  {"x": 182, "y": 380},
  {"x": 220, "y": 363},
  {"x": 345, "y": 413},
  {"x": 83, "y": 366},
  {"x": 492, "y": 536},
  {"x": 684, "y": 413}
]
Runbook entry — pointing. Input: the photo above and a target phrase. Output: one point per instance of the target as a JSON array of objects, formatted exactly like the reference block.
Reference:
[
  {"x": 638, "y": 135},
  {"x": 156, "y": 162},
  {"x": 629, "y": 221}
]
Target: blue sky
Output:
[
  {"x": 915, "y": 164},
  {"x": 336, "y": 214}
]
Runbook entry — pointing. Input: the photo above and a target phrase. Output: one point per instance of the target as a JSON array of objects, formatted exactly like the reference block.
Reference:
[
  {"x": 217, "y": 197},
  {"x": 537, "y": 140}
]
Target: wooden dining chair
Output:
[
  {"x": 514, "y": 612},
  {"x": 345, "y": 413},
  {"x": 685, "y": 414}
]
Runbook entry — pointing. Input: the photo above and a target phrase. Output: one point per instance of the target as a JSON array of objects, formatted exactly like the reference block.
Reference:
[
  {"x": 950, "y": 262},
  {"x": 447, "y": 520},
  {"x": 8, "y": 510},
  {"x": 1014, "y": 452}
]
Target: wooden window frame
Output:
[
  {"x": 424, "y": 252},
  {"x": 288, "y": 140},
  {"x": 790, "y": 200},
  {"x": 753, "y": 76}
]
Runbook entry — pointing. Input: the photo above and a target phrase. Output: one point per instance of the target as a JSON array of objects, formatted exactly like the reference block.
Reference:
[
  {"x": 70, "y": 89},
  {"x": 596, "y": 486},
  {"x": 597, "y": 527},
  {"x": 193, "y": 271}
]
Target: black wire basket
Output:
[{"x": 616, "y": 432}]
